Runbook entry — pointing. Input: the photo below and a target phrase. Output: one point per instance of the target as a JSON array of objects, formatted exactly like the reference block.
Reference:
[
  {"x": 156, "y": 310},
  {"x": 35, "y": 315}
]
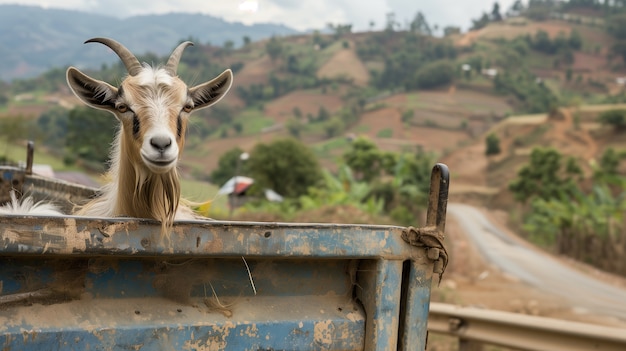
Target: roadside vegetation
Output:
[
  {"x": 581, "y": 218},
  {"x": 342, "y": 143}
]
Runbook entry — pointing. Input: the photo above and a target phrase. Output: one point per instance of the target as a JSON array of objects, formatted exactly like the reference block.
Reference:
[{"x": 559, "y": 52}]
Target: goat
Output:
[{"x": 152, "y": 105}]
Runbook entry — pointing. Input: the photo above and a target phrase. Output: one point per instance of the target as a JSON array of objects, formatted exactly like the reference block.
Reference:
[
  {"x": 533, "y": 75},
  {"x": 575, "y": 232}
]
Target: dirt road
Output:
[{"x": 512, "y": 256}]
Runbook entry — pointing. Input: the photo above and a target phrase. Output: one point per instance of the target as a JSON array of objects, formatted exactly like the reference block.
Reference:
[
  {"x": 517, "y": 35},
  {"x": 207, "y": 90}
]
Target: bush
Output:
[
  {"x": 285, "y": 165},
  {"x": 615, "y": 118},
  {"x": 433, "y": 75},
  {"x": 493, "y": 145}
]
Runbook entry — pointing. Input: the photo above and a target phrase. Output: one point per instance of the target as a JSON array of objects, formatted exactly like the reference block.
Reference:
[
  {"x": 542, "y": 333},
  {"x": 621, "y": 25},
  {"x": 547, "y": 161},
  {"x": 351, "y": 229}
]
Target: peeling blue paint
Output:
[{"x": 74, "y": 283}]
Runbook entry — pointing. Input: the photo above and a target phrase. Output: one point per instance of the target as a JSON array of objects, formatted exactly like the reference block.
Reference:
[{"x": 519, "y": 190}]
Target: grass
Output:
[
  {"x": 17, "y": 152},
  {"x": 254, "y": 121},
  {"x": 325, "y": 148},
  {"x": 200, "y": 191},
  {"x": 385, "y": 133},
  {"x": 196, "y": 190},
  {"x": 414, "y": 101},
  {"x": 315, "y": 128},
  {"x": 363, "y": 128}
]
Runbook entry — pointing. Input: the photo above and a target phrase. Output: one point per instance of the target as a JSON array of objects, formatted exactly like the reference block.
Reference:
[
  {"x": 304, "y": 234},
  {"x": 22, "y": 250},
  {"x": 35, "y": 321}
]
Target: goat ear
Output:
[
  {"x": 93, "y": 92},
  {"x": 205, "y": 95}
]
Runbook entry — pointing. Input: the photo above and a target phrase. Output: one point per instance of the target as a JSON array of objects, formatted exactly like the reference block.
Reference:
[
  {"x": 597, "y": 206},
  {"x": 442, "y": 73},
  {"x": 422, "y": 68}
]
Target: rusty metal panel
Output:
[
  {"x": 160, "y": 324},
  {"x": 136, "y": 237},
  {"x": 380, "y": 282},
  {"x": 143, "y": 303},
  {"x": 77, "y": 283},
  {"x": 417, "y": 283},
  {"x": 66, "y": 290},
  {"x": 181, "y": 279}
]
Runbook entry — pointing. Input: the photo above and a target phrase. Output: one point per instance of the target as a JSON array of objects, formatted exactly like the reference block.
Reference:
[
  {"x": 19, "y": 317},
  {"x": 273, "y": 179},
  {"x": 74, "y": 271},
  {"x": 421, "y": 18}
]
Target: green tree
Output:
[
  {"x": 238, "y": 127},
  {"x": 544, "y": 177},
  {"x": 619, "y": 49},
  {"x": 4, "y": 98},
  {"x": 365, "y": 159},
  {"x": 323, "y": 114},
  {"x": 274, "y": 48},
  {"x": 420, "y": 25},
  {"x": 542, "y": 42},
  {"x": 573, "y": 168},
  {"x": 391, "y": 23},
  {"x": 614, "y": 118},
  {"x": 285, "y": 165},
  {"x": 297, "y": 112},
  {"x": 481, "y": 22},
  {"x": 587, "y": 227},
  {"x": 433, "y": 75},
  {"x": 294, "y": 127},
  {"x": 14, "y": 128},
  {"x": 333, "y": 127},
  {"x": 229, "y": 45},
  {"x": 405, "y": 192},
  {"x": 616, "y": 25},
  {"x": 493, "y": 144},
  {"x": 540, "y": 10},
  {"x": 575, "y": 40},
  {"x": 246, "y": 40},
  {"x": 568, "y": 74},
  {"x": 517, "y": 6},
  {"x": 227, "y": 166},
  {"x": 407, "y": 116},
  {"x": 607, "y": 169},
  {"x": 90, "y": 133},
  {"x": 53, "y": 125},
  {"x": 495, "y": 12}
]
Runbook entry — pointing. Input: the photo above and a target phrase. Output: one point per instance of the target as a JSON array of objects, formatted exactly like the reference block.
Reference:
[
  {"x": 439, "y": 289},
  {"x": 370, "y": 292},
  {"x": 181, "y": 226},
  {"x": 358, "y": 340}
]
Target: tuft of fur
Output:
[
  {"x": 133, "y": 191},
  {"x": 28, "y": 206}
]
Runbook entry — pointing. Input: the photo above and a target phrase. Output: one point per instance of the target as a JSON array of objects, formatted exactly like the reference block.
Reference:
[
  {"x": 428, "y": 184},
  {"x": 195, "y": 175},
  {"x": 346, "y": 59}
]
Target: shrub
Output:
[
  {"x": 615, "y": 118},
  {"x": 493, "y": 145},
  {"x": 433, "y": 75}
]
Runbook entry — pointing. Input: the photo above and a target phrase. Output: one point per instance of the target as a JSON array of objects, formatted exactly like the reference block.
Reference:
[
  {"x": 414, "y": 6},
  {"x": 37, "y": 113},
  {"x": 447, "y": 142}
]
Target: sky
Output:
[{"x": 297, "y": 14}]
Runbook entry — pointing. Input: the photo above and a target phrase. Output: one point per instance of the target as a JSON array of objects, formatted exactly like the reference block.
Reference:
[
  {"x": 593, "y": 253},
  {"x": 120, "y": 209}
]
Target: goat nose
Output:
[{"x": 161, "y": 142}]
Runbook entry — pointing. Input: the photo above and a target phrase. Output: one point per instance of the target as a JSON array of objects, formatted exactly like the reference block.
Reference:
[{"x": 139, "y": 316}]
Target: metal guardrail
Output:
[{"x": 475, "y": 327}]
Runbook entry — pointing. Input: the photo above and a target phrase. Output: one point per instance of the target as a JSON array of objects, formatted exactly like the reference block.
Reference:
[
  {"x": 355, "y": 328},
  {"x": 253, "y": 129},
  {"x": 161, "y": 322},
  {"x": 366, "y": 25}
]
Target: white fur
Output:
[
  {"x": 28, "y": 206},
  {"x": 149, "y": 188},
  {"x": 150, "y": 76}
]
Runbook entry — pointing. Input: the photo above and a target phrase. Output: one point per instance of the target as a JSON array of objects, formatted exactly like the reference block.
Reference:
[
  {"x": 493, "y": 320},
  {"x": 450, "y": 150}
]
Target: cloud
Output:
[{"x": 299, "y": 14}]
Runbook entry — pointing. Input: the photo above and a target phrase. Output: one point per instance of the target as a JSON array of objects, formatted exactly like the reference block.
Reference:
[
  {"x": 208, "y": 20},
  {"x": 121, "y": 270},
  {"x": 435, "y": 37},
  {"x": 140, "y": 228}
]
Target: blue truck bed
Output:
[{"x": 76, "y": 283}]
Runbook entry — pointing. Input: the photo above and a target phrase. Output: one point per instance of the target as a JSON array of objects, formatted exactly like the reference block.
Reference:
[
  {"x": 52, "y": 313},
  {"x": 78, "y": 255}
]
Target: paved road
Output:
[{"x": 536, "y": 268}]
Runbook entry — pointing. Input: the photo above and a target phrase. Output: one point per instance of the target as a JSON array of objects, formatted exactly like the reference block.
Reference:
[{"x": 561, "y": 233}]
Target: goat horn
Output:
[
  {"x": 172, "y": 63},
  {"x": 128, "y": 59}
]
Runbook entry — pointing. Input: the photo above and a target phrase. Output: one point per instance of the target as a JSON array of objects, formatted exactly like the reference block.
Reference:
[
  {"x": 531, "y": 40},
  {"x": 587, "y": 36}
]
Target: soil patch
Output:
[{"x": 345, "y": 63}]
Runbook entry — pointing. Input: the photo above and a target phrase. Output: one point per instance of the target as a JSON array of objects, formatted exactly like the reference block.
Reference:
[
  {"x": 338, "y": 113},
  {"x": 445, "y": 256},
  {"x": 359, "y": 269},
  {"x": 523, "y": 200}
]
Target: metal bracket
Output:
[
  {"x": 30, "y": 155},
  {"x": 13, "y": 181},
  {"x": 432, "y": 235}
]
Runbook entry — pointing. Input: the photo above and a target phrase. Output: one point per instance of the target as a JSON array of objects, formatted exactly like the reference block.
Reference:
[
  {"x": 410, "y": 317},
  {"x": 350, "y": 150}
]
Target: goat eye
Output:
[
  {"x": 187, "y": 108},
  {"x": 122, "y": 108}
]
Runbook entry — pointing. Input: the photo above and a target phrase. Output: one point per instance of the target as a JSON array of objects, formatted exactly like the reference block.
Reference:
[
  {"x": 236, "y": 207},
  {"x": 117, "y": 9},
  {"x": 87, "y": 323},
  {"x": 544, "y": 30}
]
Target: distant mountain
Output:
[{"x": 34, "y": 39}]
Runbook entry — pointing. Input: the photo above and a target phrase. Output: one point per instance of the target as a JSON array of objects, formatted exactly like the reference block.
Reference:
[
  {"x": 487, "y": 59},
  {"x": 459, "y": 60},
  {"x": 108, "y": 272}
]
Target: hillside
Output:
[
  {"x": 530, "y": 82},
  {"x": 402, "y": 89},
  {"x": 35, "y": 39},
  {"x": 574, "y": 132}
]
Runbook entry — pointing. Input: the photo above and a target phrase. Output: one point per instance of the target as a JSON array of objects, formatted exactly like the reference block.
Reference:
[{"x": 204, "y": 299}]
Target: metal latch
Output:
[{"x": 432, "y": 235}]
